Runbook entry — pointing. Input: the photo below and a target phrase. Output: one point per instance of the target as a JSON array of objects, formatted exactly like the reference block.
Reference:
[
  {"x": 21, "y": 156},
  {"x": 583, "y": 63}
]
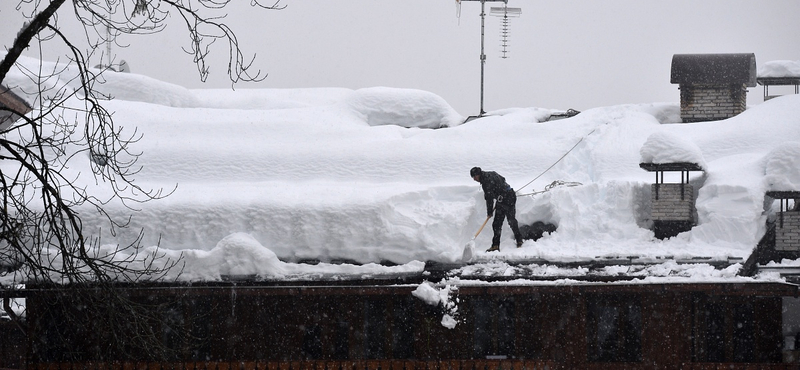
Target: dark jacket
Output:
[{"x": 495, "y": 186}]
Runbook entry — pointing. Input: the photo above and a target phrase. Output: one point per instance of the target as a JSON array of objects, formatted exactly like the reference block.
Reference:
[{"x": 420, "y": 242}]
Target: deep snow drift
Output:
[{"x": 266, "y": 177}]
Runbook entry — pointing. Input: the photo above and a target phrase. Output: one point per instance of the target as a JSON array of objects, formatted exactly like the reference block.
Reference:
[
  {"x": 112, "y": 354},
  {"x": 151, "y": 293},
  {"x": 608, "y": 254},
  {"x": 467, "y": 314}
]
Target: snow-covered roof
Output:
[{"x": 267, "y": 178}]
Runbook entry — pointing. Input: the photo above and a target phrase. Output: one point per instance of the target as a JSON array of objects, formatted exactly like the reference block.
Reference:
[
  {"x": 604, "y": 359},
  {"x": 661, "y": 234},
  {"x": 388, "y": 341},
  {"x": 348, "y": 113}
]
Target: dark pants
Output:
[{"x": 506, "y": 209}]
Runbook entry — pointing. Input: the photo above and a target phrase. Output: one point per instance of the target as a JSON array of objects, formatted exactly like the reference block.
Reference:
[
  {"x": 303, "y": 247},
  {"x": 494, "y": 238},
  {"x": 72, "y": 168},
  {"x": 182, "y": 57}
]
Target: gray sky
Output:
[{"x": 562, "y": 54}]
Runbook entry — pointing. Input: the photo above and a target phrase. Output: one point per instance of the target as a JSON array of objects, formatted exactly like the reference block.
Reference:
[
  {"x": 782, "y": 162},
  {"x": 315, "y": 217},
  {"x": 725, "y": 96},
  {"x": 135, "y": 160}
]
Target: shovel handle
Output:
[{"x": 481, "y": 229}]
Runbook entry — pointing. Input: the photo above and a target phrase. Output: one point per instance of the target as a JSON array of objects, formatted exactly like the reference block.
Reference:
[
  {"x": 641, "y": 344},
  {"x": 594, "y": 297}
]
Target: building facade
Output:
[{"x": 381, "y": 325}]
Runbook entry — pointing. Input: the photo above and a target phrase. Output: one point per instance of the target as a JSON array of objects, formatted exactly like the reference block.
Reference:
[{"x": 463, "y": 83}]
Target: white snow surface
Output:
[
  {"x": 782, "y": 167},
  {"x": 779, "y": 68},
  {"x": 265, "y": 178},
  {"x": 665, "y": 147}
]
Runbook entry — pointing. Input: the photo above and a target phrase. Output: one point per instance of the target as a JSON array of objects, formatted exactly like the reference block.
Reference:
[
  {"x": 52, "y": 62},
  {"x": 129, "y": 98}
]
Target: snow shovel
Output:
[{"x": 470, "y": 247}]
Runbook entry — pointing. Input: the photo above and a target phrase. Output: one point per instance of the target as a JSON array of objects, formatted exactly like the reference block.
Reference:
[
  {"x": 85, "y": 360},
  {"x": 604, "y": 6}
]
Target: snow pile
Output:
[
  {"x": 107, "y": 85},
  {"x": 236, "y": 254},
  {"x": 698, "y": 272},
  {"x": 779, "y": 68},
  {"x": 440, "y": 297},
  {"x": 239, "y": 255},
  {"x": 665, "y": 147},
  {"x": 271, "y": 99},
  {"x": 782, "y": 167},
  {"x": 403, "y": 107},
  {"x": 133, "y": 87},
  {"x": 501, "y": 268}
]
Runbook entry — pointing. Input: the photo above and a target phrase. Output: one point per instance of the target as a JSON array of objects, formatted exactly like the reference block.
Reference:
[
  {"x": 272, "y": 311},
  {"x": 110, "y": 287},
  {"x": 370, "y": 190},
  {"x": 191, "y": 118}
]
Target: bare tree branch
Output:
[{"x": 42, "y": 237}]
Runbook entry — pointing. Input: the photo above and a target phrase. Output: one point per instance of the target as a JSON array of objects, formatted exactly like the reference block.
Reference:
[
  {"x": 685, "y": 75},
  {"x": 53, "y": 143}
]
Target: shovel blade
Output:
[{"x": 469, "y": 250}]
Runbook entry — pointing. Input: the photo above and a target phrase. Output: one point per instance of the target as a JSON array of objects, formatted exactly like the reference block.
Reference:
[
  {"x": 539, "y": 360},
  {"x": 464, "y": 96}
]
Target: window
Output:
[
  {"x": 614, "y": 329},
  {"x": 723, "y": 330},
  {"x": 341, "y": 344},
  {"x": 172, "y": 332},
  {"x": 52, "y": 342},
  {"x": 200, "y": 327},
  {"x": 312, "y": 342},
  {"x": 494, "y": 327},
  {"x": 374, "y": 329},
  {"x": 743, "y": 333},
  {"x": 389, "y": 328},
  {"x": 403, "y": 328}
]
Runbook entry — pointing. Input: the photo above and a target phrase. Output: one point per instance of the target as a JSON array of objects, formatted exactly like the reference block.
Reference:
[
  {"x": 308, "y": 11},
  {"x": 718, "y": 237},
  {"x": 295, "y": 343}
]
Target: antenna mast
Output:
[
  {"x": 505, "y": 12},
  {"x": 483, "y": 54}
]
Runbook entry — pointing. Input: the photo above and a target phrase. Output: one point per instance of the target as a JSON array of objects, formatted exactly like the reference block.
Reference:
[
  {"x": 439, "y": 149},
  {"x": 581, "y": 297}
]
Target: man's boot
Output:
[
  {"x": 495, "y": 247},
  {"x": 519, "y": 243}
]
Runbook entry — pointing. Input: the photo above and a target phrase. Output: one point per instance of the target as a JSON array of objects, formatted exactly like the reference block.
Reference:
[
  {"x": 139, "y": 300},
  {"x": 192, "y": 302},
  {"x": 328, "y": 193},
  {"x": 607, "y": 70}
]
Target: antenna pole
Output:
[
  {"x": 483, "y": 52},
  {"x": 483, "y": 55}
]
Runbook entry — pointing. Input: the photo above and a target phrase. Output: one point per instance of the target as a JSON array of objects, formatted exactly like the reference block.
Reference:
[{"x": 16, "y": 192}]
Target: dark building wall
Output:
[
  {"x": 576, "y": 327},
  {"x": 12, "y": 345}
]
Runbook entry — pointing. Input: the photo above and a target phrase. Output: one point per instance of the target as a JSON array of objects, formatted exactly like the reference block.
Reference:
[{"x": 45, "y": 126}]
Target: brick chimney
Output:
[{"x": 713, "y": 86}]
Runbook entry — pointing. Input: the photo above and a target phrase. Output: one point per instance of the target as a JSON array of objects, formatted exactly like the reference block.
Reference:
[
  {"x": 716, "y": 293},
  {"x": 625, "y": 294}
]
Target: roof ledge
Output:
[{"x": 676, "y": 166}]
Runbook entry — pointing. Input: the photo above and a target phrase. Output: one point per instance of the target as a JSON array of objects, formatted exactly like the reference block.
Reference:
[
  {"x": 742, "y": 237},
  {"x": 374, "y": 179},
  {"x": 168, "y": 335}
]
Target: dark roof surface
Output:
[
  {"x": 778, "y": 81},
  {"x": 677, "y": 166},
  {"x": 693, "y": 69},
  {"x": 12, "y": 102},
  {"x": 741, "y": 287},
  {"x": 784, "y": 194}
]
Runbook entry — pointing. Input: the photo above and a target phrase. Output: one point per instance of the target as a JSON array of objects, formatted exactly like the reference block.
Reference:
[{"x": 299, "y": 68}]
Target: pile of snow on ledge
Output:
[
  {"x": 780, "y": 68},
  {"x": 663, "y": 147}
]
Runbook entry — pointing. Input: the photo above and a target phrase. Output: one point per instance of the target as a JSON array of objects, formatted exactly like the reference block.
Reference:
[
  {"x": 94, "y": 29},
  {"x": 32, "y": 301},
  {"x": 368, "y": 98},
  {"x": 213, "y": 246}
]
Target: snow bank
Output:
[
  {"x": 133, "y": 87},
  {"x": 107, "y": 85},
  {"x": 403, "y": 107},
  {"x": 270, "y": 99},
  {"x": 782, "y": 167},
  {"x": 592, "y": 220}
]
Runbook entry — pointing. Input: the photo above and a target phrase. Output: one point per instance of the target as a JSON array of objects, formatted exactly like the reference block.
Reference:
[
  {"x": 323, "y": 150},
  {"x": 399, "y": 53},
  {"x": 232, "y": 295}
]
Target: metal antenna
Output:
[
  {"x": 483, "y": 55},
  {"x": 505, "y": 12}
]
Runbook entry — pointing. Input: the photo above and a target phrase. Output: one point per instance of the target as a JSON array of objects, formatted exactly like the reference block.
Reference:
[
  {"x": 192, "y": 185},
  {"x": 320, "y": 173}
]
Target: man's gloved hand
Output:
[{"x": 489, "y": 214}]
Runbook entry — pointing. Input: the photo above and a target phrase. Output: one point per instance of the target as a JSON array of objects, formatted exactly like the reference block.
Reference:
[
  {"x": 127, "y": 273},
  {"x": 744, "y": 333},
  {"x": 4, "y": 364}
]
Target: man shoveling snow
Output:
[{"x": 495, "y": 187}]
